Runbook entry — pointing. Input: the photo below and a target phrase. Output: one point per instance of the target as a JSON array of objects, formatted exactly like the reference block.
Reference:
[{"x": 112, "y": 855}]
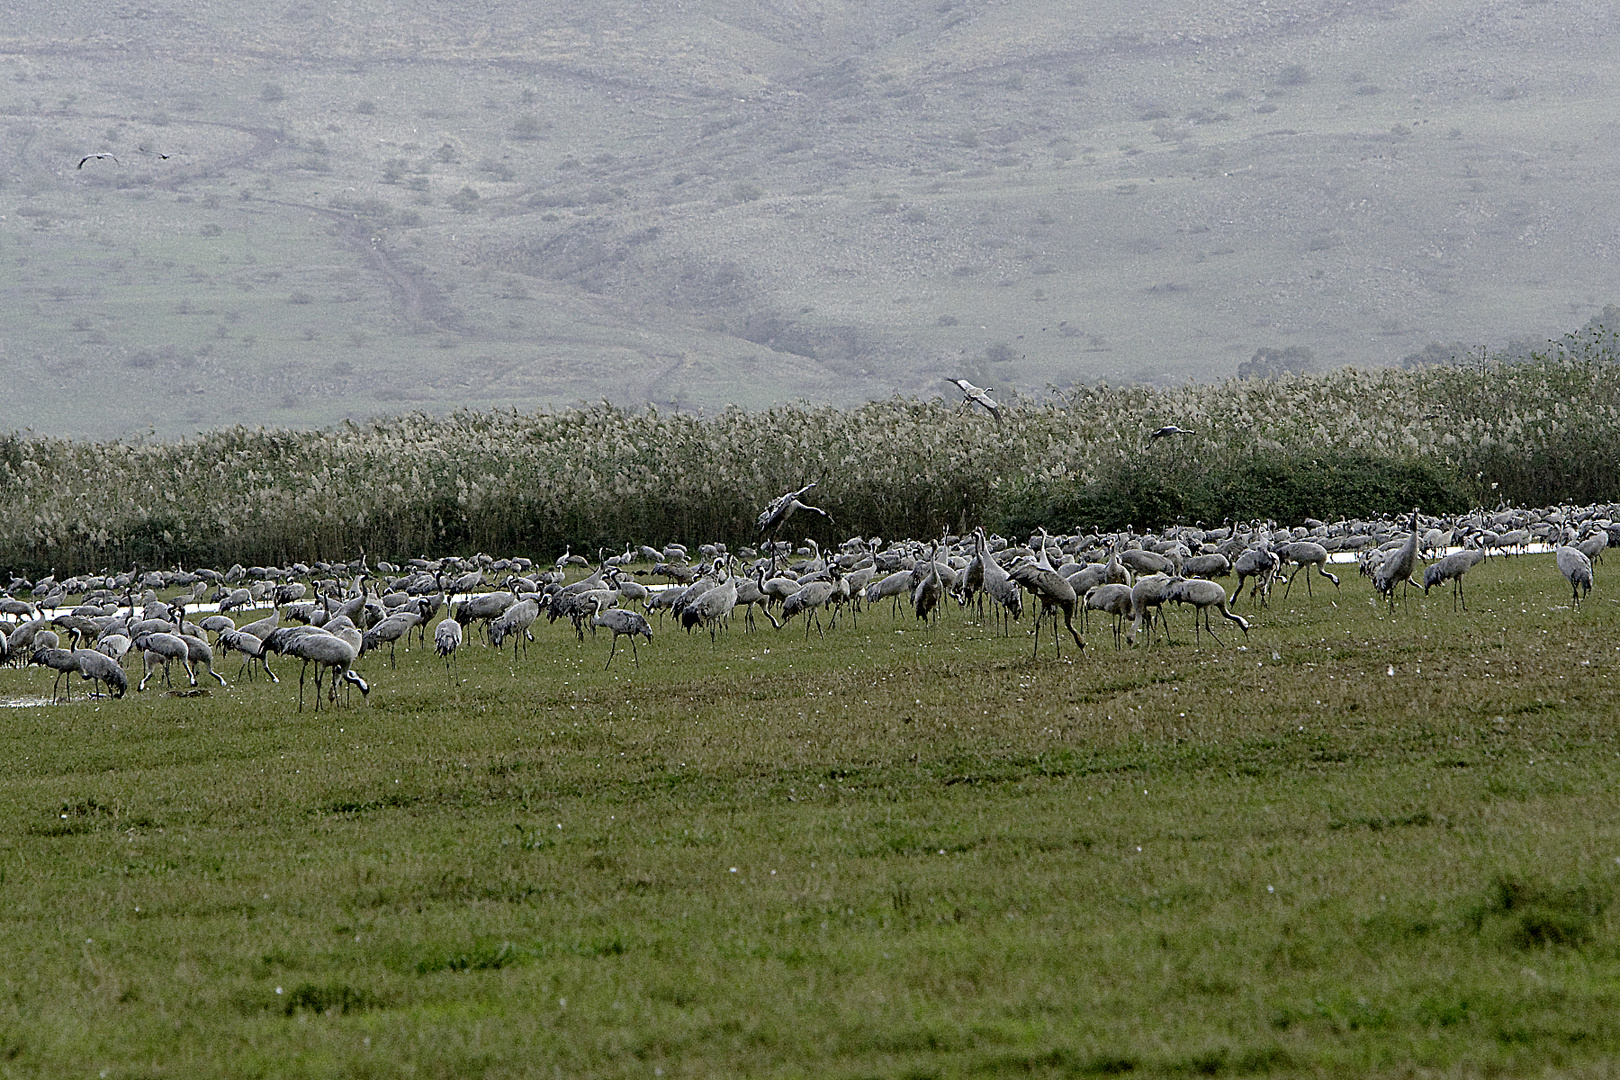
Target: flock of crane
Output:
[{"x": 329, "y": 615}]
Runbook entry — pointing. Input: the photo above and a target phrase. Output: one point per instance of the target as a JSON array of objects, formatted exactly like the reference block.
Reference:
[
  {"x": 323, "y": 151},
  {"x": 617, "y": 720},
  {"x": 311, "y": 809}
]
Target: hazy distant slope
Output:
[{"x": 374, "y": 207}]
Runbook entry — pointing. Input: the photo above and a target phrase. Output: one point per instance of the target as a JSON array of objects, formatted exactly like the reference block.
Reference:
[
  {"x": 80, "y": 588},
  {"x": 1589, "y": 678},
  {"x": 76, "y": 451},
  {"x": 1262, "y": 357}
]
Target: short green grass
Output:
[{"x": 892, "y": 851}]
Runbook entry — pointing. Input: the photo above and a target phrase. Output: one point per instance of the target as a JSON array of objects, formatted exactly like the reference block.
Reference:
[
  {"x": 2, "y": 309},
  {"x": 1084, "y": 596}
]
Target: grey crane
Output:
[
  {"x": 685, "y": 601},
  {"x": 810, "y": 599},
  {"x": 514, "y": 622},
  {"x": 998, "y": 584},
  {"x": 218, "y": 624},
  {"x": 200, "y": 655},
  {"x": 1148, "y": 596},
  {"x": 1452, "y": 568},
  {"x": 1167, "y": 431},
  {"x": 1258, "y": 563},
  {"x": 714, "y": 607},
  {"x": 1055, "y": 594},
  {"x": 389, "y": 632},
  {"x": 1147, "y": 562},
  {"x": 1398, "y": 565},
  {"x": 774, "y": 516},
  {"x": 484, "y": 608},
  {"x": 114, "y": 645},
  {"x": 891, "y": 587},
  {"x": 751, "y": 594},
  {"x": 1203, "y": 595},
  {"x": 251, "y": 648},
  {"x": 1111, "y": 599},
  {"x": 163, "y": 649},
  {"x": 262, "y": 627},
  {"x": 1595, "y": 545},
  {"x": 1305, "y": 554},
  {"x": 977, "y": 395},
  {"x": 622, "y": 623},
  {"x": 102, "y": 669},
  {"x": 61, "y": 661},
  {"x": 1206, "y": 566},
  {"x": 926, "y": 594},
  {"x": 1576, "y": 568},
  {"x": 326, "y": 652},
  {"x": 446, "y": 640}
]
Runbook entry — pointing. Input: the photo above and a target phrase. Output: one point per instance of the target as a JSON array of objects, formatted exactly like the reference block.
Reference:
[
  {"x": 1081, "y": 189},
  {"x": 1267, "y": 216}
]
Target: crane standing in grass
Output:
[
  {"x": 102, "y": 669},
  {"x": 61, "y": 661},
  {"x": 325, "y": 651},
  {"x": 1203, "y": 595},
  {"x": 1304, "y": 554},
  {"x": 1398, "y": 565},
  {"x": 1053, "y": 591},
  {"x": 1452, "y": 568},
  {"x": 1576, "y": 568},
  {"x": 622, "y": 623},
  {"x": 446, "y": 640}
]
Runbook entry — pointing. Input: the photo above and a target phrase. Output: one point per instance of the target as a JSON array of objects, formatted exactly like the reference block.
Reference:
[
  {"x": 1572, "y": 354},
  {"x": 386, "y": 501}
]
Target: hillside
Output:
[{"x": 319, "y": 212}]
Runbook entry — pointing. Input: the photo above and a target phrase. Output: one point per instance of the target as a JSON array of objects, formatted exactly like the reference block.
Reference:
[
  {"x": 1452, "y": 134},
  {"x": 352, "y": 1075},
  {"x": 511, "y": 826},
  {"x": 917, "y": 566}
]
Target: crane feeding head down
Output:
[
  {"x": 980, "y": 394},
  {"x": 783, "y": 507}
]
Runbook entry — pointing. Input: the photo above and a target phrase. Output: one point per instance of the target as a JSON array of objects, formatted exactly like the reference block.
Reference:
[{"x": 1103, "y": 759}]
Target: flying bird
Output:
[
  {"x": 971, "y": 393},
  {"x": 783, "y": 507},
  {"x": 1167, "y": 431},
  {"x": 96, "y": 157}
]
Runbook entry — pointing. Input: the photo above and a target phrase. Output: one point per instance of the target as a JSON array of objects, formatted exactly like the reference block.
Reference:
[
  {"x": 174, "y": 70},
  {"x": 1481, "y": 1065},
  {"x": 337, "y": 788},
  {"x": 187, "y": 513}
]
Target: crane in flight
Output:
[
  {"x": 980, "y": 394},
  {"x": 774, "y": 516},
  {"x": 1167, "y": 431}
]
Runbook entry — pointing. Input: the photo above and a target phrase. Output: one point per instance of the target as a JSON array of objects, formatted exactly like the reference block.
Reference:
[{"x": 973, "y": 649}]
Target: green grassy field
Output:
[{"x": 1358, "y": 843}]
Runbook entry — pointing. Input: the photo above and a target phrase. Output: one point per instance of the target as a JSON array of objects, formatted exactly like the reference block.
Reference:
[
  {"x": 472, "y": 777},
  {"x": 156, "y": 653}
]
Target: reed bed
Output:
[{"x": 1349, "y": 442}]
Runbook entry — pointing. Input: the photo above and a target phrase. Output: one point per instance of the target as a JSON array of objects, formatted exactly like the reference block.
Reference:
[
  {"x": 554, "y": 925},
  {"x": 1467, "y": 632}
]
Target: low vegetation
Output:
[
  {"x": 1344, "y": 443},
  {"x": 1359, "y": 843}
]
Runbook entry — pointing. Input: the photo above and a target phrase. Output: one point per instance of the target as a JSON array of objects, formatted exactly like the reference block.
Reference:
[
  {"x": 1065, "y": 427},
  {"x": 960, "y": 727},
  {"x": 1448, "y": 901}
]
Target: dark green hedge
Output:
[{"x": 1284, "y": 488}]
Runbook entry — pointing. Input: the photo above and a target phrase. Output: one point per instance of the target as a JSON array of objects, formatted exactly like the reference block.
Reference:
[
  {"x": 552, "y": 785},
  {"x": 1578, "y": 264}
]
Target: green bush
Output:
[{"x": 1279, "y": 487}]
